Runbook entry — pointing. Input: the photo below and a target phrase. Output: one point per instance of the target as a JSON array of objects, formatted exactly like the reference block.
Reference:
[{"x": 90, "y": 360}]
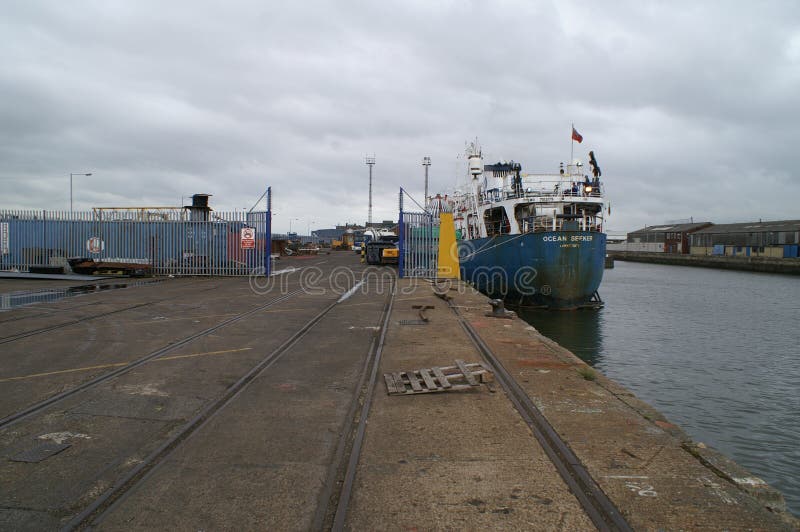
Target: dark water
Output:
[{"x": 717, "y": 352}]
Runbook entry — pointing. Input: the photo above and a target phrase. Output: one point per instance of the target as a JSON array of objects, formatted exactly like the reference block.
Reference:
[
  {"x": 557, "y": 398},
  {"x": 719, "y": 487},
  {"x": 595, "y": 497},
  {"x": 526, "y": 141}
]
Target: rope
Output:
[{"x": 484, "y": 248}]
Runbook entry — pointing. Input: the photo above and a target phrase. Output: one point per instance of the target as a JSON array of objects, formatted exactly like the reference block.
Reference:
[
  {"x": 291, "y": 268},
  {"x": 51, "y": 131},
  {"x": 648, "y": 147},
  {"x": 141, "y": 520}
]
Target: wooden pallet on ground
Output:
[{"x": 462, "y": 376}]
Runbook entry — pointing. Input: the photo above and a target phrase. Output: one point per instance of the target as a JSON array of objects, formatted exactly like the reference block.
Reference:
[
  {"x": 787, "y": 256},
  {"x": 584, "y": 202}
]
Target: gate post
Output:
[
  {"x": 400, "y": 241},
  {"x": 268, "y": 235}
]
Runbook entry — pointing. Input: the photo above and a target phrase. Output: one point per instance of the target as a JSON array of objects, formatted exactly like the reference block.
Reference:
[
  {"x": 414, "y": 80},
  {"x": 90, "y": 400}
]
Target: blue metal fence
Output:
[
  {"x": 169, "y": 242},
  {"x": 418, "y": 243}
]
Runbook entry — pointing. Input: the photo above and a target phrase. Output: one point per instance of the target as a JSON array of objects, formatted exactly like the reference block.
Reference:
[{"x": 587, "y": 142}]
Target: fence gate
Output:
[
  {"x": 419, "y": 243},
  {"x": 185, "y": 241}
]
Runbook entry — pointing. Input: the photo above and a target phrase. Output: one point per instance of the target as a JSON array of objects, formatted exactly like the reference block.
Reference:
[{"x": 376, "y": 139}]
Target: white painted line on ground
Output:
[
  {"x": 350, "y": 292},
  {"x": 285, "y": 270}
]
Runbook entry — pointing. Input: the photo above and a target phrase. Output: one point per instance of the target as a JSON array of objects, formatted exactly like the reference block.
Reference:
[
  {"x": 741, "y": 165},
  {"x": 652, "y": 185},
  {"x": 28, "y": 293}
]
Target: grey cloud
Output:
[{"x": 691, "y": 108}]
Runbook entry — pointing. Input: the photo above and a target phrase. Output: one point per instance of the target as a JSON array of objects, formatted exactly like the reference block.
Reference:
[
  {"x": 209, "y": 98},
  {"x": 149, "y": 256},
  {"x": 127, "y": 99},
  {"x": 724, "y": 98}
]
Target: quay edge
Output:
[
  {"x": 751, "y": 264},
  {"x": 716, "y": 462},
  {"x": 648, "y": 467}
]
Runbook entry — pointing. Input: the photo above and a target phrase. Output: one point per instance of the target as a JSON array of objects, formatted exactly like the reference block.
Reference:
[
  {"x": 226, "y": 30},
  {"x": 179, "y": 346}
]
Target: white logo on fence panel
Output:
[
  {"x": 4, "y": 243},
  {"x": 95, "y": 245},
  {"x": 248, "y": 238}
]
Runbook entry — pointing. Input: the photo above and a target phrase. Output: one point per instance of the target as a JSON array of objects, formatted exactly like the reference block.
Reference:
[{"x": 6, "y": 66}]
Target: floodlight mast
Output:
[
  {"x": 426, "y": 162},
  {"x": 370, "y": 162}
]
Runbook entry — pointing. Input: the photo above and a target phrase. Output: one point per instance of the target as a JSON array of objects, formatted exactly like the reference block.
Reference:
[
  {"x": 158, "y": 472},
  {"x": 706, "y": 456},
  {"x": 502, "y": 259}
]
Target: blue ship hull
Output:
[{"x": 554, "y": 269}]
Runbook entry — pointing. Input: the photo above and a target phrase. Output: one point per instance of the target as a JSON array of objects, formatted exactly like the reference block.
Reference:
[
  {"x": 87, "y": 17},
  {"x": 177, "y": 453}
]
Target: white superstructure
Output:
[{"x": 499, "y": 199}]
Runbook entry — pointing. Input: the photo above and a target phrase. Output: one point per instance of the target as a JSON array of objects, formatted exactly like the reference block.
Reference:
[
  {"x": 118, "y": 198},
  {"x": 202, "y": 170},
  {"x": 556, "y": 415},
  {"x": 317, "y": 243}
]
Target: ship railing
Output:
[
  {"x": 498, "y": 228},
  {"x": 557, "y": 190}
]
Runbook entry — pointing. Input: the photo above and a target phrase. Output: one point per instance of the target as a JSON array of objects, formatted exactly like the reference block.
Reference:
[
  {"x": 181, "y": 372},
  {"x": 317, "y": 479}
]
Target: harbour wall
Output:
[{"x": 753, "y": 264}]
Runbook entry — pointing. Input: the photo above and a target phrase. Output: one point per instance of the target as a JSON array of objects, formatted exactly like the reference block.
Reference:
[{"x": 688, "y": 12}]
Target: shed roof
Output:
[
  {"x": 671, "y": 228},
  {"x": 753, "y": 227},
  {"x": 328, "y": 233}
]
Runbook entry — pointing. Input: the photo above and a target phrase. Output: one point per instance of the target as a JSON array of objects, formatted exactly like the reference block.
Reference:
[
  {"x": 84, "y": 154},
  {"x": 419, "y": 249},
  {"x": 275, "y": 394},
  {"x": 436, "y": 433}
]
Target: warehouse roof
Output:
[
  {"x": 753, "y": 227},
  {"x": 671, "y": 228}
]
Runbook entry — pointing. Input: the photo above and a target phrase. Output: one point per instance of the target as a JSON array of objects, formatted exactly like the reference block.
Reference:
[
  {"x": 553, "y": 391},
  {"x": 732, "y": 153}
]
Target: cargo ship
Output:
[{"x": 534, "y": 240}]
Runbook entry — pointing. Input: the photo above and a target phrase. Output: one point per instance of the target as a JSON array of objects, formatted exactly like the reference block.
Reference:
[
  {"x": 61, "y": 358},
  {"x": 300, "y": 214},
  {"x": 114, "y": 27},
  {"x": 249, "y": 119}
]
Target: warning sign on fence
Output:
[
  {"x": 95, "y": 245},
  {"x": 248, "y": 238}
]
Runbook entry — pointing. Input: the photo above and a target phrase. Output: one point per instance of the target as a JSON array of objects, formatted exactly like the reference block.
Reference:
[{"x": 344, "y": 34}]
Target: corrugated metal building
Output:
[
  {"x": 327, "y": 236},
  {"x": 749, "y": 239},
  {"x": 667, "y": 238}
]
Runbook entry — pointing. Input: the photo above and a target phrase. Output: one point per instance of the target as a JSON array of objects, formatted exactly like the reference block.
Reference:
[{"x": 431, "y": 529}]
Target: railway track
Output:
[
  {"x": 42, "y": 330},
  {"x": 598, "y": 507},
  {"x": 337, "y": 491},
  {"x": 93, "y": 514},
  {"x": 332, "y": 510},
  {"x": 41, "y": 405}
]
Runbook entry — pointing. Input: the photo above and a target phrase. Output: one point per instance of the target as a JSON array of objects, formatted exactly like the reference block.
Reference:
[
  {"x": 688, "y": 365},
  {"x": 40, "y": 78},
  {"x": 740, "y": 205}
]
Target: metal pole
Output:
[
  {"x": 400, "y": 243},
  {"x": 426, "y": 162},
  {"x": 268, "y": 235},
  {"x": 370, "y": 162},
  {"x": 370, "y": 195},
  {"x": 70, "y": 189},
  {"x": 571, "y": 149}
]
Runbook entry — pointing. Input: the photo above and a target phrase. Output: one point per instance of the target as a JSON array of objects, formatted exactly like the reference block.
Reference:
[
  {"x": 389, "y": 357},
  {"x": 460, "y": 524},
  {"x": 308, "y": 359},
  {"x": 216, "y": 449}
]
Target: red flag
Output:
[{"x": 577, "y": 136}]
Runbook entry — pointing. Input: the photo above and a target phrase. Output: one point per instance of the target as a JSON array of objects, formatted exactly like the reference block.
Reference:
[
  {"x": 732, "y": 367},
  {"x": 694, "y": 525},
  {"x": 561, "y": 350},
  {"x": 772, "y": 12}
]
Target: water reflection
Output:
[
  {"x": 715, "y": 351},
  {"x": 579, "y": 330}
]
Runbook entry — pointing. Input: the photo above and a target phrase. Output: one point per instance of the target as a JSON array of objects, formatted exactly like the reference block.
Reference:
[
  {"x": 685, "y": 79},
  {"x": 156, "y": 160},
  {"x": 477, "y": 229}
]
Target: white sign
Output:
[
  {"x": 248, "y": 238},
  {"x": 95, "y": 245},
  {"x": 4, "y": 242}
]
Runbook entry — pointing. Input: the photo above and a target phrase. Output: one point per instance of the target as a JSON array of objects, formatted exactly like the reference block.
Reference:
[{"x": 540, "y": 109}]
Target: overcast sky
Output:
[{"x": 692, "y": 108}]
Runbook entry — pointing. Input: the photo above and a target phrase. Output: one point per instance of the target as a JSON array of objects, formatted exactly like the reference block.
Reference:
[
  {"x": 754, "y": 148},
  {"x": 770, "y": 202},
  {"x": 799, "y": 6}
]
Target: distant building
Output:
[
  {"x": 327, "y": 236},
  {"x": 749, "y": 239},
  {"x": 386, "y": 224},
  {"x": 667, "y": 238}
]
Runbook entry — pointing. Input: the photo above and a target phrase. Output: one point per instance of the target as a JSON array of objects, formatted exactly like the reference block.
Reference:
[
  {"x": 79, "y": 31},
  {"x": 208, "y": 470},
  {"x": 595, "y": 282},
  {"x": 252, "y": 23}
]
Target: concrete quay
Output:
[
  {"x": 209, "y": 404},
  {"x": 749, "y": 264}
]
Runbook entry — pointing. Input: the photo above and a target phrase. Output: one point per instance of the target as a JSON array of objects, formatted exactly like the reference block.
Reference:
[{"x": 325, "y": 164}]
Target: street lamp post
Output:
[
  {"x": 290, "y": 223},
  {"x": 308, "y": 228},
  {"x": 70, "y": 189}
]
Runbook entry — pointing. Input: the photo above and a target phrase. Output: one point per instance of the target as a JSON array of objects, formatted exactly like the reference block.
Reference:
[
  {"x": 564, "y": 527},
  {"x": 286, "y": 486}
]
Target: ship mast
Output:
[{"x": 475, "y": 165}]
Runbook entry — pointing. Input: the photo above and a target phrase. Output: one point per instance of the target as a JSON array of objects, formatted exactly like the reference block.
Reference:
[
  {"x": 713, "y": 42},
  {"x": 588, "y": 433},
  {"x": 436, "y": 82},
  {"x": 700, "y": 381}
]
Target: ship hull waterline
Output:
[{"x": 552, "y": 269}]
